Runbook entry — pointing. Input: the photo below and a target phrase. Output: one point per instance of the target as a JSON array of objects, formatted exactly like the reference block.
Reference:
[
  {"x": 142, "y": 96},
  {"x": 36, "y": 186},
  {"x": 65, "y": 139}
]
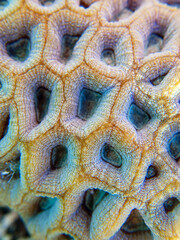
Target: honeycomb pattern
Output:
[{"x": 90, "y": 117}]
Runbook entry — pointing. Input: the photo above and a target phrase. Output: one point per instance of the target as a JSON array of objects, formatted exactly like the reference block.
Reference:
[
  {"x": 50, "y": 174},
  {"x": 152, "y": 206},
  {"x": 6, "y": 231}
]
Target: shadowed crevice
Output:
[
  {"x": 88, "y": 102},
  {"x": 92, "y": 198},
  {"x": 128, "y": 10},
  {"x": 65, "y": 237},
  {"x": 134, "y": 223},
  {"x": 154, "y": 43},
  {"x": 137, "y": 116},
  {"x": 4, "y": 123},
  {"x": 59, "y": 157},
  {"x": 46, "y": 3},
  {"x": 151, "y": 172},
  {"x": 170, "y": 204},
  {"x": 19, "y": 49},
  {"x": 67, "y": 47},
  {"x": 41, "y": 101},
  {"x": 108, "y": 57},
  {"x": 110, "y": 155},
  {"x": 174, "y": 146},
  {"x": 156, "y": 81},
  {"x": 84, "y": 4},
  {"x": 45, "y": 203}
]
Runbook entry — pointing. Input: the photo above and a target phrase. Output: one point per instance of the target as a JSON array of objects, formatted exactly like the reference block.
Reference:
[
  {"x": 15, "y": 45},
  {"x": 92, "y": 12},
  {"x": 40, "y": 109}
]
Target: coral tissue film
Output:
[{"x": 90, "y": 119}]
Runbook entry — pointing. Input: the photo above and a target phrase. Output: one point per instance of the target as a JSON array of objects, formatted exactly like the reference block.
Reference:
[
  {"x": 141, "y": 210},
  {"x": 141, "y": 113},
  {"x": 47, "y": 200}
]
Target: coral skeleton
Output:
[{"x": 90, "y": 118}]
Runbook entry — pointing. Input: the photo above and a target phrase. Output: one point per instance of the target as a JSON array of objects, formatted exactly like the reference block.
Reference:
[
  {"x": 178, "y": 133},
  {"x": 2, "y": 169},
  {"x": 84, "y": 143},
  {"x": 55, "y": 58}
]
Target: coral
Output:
[{"x": 89, "y": 117}]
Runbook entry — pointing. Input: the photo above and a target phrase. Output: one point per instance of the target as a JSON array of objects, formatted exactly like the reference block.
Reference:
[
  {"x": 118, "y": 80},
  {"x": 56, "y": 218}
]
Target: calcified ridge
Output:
[{"x": 89, "y": 117}]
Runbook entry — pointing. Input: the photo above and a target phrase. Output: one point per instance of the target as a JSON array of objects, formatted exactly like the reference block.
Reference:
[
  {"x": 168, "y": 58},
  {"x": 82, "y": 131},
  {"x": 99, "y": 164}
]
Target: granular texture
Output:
[{"x": 90, "y": 117}]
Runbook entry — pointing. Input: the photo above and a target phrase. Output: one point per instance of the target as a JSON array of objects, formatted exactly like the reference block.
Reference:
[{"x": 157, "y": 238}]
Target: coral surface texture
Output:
[{"x": 90, "y": 117}]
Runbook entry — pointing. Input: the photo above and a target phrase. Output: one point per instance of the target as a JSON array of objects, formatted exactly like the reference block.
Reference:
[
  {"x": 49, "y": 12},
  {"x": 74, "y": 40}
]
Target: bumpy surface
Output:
[{"x": 89, "y": 117}]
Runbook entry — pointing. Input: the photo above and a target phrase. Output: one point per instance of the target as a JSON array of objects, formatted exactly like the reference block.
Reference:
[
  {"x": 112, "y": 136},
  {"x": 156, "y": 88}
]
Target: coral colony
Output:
[{"x": 90, "y": 117}]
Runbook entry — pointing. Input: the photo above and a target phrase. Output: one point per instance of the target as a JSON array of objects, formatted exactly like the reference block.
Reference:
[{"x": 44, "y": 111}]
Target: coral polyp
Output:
[{"x": 90, "y": 117}]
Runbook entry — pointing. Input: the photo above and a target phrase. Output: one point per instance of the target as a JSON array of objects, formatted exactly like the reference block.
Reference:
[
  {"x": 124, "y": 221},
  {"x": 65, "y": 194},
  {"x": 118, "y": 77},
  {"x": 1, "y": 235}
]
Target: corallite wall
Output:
[{"x": 90, "y": 117}]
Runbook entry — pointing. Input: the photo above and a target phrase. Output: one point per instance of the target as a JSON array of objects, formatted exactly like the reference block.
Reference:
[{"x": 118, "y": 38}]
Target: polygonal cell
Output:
[
  {"x": 125, "y": 11},
  {"x": 134, "y": 223},
  {"x": 160, "y": 36},
  {"x": 21, "y": 44},
  {"x": 45, "y": 203},
  {"x": 41, "y": 101},
  {"x": 65, "y": 237},
  {"x": 137, "y": 116},
  {"x": 110, "y": 52},
  {"x": 46, "y": 2},
  {"x": 174, "y": 146},
  {"x": 4, "y": 123},
  {"x": 67, "y": 46},
  {"x": 69, "y": 35},
  {"x": 156, "y": 81},
  {"x": 19, "y": 49},
  {"x": 88, "y": 102},
  {"x": 92, "y": 198},
  {"x": 151, "y": 172},
  {"x": 59, "y": 157},
  {"x": 89, "y": 98},
  {"x": 170, "y": 204},
  {"x": 172, "y": 3},
  {"x": 10, "y": 170},
  {"x": 108, "y": 57},
  {"x": 110, "y": 155}
]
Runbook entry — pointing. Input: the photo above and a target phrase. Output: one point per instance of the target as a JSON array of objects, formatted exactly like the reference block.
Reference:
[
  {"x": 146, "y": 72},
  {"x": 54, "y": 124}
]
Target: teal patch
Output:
[
  {"x": 110, "y": 155},
  {"x": 88, "y": 102},
  {"x": 19, "y": 49},
  {"x": 137, "y": 116}
]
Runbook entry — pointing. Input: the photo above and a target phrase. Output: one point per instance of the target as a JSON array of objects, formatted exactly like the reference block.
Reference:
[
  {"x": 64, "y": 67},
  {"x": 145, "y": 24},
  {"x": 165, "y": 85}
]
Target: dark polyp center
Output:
[
  {"x": 92, "y": 198},
  {"x": 17, "y": 228},
  {"x": 134, "y": 223},
  {"x": 19, "y": 49},
  {"x": 137, "y": 116},
  {"x": 154, "y": 44},
  {"x": 3, "y": 3},
  {"x": 156, "y": 81},
  {"x": 45, "y": 203},
  {"x": 126, "y": 11},
  {"x": 84, "y": 4},
  {"x": 174, "y": 146},
  {"x": 108, "y": 57},
  {"x": 88, "y": 102},
  {"x": 59, "y": 157},
  {"x": 0, "y": 85},
  {"x": 151, "y": 172},
  {"x": 170, "y": 204},
  {"x": 41, "y": 101},
  {"x": 4, "y": 123},
  {"x": 10, "y": 170},
  {"x": 67, "y": 47},
  {"x": 46, "y": 2},
  {"x": 65, "y": 237},
  {"x": 16, "y": 167},
  {"x": 110, "y": 155},
  {"x": 172, "y": 3}
]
